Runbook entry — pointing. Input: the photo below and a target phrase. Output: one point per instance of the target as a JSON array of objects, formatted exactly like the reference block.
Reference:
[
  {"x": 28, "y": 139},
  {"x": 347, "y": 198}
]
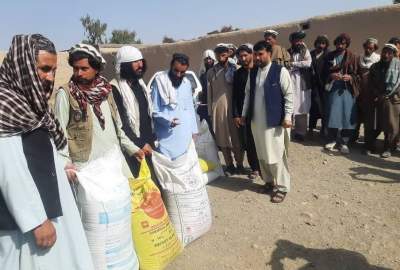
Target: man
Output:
[
  {"x": 219, "y": 99},
  {"x": 396, "y": 41},
  {"x": 208, "y": 62},
  {"x": 173, "y": 109},
  {"x": 133, "y": 103},
  {"x": 40, "y": 226},
  {"x": 279, "y": 53},
  {"x": 384, "y": 80},
  {"x": 269, "y": 107},
  {"x": 245, "y": 53},
  {"x": 300, "y": 72},
  {"x": 365, "y": 101},
  {"x": 342, "y": 83},
  {"x": 88, "y": 114},
  {"x": 232, "y": 53},
  {"x": 318, "y": 93}
]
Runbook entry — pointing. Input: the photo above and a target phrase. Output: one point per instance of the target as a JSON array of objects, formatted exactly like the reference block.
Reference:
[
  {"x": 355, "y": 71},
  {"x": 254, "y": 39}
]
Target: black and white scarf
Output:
[{"x": 23, "y": 99}]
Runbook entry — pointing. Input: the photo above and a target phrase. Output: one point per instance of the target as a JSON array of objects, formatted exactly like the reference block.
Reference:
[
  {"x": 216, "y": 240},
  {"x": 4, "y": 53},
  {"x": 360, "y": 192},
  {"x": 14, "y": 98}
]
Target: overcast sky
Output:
[{"x": 153, "y": 19}]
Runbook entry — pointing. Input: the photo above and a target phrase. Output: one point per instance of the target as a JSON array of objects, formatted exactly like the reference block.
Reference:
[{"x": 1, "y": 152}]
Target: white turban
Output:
[
  {"x": 206, "y": 53},
  {"x": 126, "y": 54},
  {"x": 231, "y": 46},
  {"x": 271, "y": 32},
  {"x": 222, "y": 45},
  {"x": 372, "y": 40},
  {"x": 209, "y": 53},
  {"x": 246, "y": 46}
]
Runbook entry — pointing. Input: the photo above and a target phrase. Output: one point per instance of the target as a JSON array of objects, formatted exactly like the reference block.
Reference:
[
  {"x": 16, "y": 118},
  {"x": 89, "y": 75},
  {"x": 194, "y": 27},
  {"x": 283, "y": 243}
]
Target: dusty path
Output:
[{"x": 343, "y": 214}]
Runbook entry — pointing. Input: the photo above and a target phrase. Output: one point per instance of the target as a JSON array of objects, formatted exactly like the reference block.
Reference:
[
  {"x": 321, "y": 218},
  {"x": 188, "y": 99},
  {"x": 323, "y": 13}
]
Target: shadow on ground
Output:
[
  {"x": 319, "y": 259},
  {"x": 359, "y": 174},
  {"x": 378, "y": 166},
  {"x": 373, "y": 160},
  {"x": 236, "y": 184}
]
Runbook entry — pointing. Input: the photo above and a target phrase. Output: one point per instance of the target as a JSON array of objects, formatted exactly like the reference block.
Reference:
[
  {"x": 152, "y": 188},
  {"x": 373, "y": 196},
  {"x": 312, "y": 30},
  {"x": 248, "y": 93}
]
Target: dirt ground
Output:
[{"x": 342, "y": 214}]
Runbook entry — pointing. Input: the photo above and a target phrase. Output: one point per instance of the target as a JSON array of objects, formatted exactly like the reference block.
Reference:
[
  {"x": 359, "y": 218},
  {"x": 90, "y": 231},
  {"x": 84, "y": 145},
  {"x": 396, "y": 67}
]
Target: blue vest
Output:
[{"x": 274, "y": 101}]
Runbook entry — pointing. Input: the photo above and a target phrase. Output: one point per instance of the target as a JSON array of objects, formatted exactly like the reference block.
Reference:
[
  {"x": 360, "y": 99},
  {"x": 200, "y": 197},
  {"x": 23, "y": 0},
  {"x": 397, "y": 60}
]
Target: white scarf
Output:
[
  {"x": 166, "y": 90},
  {"x": 206, "y": 54},
  {"x": 368, "y": 61},
  {"x": 130, "y": 102}
]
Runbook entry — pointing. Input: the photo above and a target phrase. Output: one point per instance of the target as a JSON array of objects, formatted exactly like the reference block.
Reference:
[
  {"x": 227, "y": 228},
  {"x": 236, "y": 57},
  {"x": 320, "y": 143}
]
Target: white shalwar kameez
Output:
[
  {"x": 271, "y": 142},
  {"x": 302, "y": 95},
  {"x": 18, "y": 250}
]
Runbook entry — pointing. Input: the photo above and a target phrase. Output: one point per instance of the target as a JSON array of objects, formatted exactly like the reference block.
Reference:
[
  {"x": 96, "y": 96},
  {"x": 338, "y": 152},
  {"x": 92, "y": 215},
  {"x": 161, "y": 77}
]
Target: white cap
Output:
[
  {"x": 231, "y": 46},
  {"x": 126, "y": 54},
  {"x": 271, "y": 32},
  {"x": 222, "y": 45},
  {"x": 372, "y": 40},
  {"x": 246, "y": 45},
  {"x": 391, "y": 46}
]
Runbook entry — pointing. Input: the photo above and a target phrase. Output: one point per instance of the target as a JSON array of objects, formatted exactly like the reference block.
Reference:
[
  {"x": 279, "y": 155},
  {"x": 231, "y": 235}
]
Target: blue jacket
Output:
[{"x": 274, "y": 100}]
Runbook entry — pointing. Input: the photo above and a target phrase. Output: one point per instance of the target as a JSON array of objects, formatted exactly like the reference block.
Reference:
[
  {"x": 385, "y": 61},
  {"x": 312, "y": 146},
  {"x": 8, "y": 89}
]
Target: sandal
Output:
[{"x": 278, "y": 196}]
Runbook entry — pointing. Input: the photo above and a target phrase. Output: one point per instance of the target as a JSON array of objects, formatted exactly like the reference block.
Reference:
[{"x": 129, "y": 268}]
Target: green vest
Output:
[{"x": 80, "y": 131}]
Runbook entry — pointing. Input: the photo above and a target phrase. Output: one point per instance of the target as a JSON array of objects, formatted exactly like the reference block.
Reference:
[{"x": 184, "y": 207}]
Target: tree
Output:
[
  {"x": 227, "y": 28},
  {"x": 224, "y": 29},
  {"x": 124, "y": 37},
  {"x": 396, "y": 1},
  {"x": 95, "y": 31},
  {"x": 168, "y": 40}
]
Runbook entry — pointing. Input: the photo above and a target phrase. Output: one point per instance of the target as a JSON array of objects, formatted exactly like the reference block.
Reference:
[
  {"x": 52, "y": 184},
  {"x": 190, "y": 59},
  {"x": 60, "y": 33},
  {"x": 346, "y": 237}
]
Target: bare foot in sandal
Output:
[{"x": 278, "y": 196}]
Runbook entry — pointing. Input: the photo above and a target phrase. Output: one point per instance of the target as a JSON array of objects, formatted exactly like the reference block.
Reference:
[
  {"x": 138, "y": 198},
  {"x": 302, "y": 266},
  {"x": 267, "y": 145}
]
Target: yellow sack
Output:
[
  {"x": 155, "y": 239},
  {"x": 206, "y": 165}
]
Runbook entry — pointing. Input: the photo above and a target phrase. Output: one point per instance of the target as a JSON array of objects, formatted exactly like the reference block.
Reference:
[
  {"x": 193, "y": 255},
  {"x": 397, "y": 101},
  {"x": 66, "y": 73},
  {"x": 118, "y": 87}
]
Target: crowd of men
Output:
[
  {"x": 267, "y": 89},
  {"x": 254, "y": 98}
]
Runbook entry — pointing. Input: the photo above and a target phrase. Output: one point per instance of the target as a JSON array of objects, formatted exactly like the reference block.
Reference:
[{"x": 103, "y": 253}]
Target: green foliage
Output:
[
  {"x": 396, "y": 1},
  {"x": 224, "y": 29},
  {"x": 124, "y": 37},
  {"x": 95, "y": 31},
  {"x": 168, "y": 40},
  {"x": 228, "y": 28}
]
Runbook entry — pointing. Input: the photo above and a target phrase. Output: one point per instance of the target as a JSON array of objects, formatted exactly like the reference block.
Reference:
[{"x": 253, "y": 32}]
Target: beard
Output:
[
  {"x": 246, "y": 64},
  {"x": 385, "y": 62},
  {"x": 138, "y": 74},
  {"x": 129, "y": 74},
  {"x": 368, "y": 53},
  {"x": 83, "y": 81},
  {"x": 175, "y": 80},
  {"x": 340, "y": 50},
  {"x": 208, "y": 65},
  {"x": 260, "y": 64},
  {"x": 298, "y": 48},
  {"x": 222, "y": 62}
]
